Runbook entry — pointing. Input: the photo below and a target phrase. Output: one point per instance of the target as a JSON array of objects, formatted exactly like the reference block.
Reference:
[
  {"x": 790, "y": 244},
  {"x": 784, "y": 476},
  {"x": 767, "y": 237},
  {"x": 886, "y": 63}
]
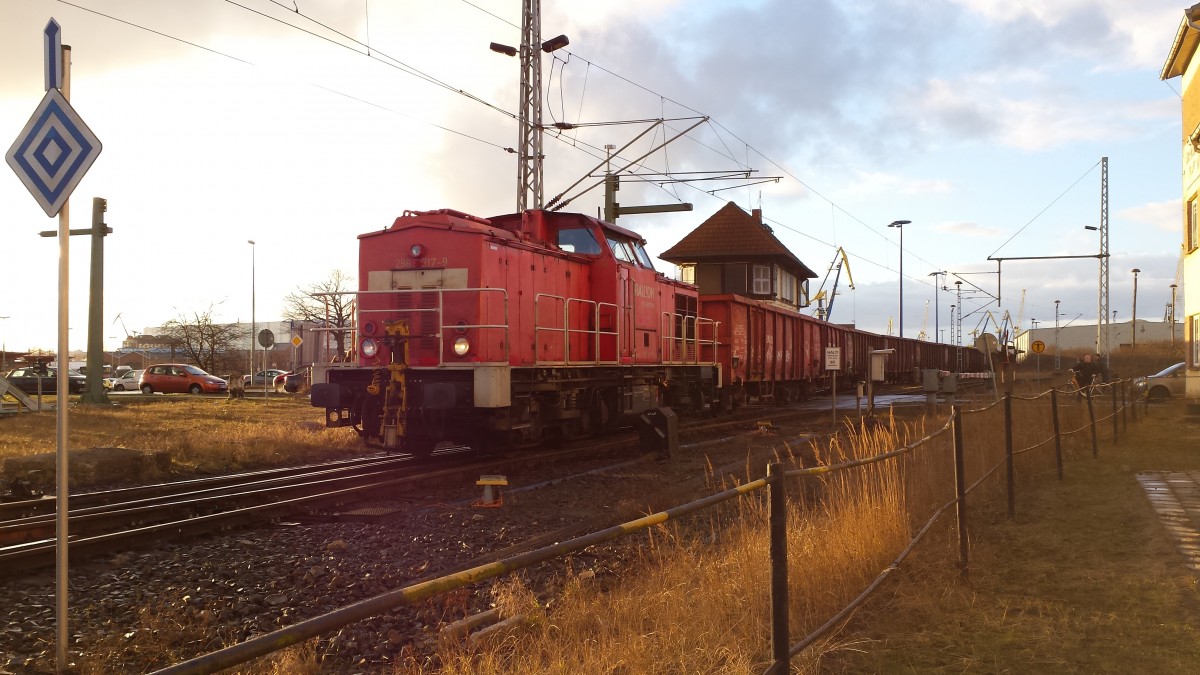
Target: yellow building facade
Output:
[{"x": 1182, "y": 63}]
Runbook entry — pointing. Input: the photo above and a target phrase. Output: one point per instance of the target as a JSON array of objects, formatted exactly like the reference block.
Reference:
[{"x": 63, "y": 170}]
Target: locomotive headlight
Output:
[
  {"x": 462, "y": 345},
  {"x": 369, "y": 347},
  {"x": 416, "y": 250}
]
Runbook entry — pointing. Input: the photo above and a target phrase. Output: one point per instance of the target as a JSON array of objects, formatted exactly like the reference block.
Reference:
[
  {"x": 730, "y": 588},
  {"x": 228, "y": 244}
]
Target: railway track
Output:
[{"x": 136, "y": 517}]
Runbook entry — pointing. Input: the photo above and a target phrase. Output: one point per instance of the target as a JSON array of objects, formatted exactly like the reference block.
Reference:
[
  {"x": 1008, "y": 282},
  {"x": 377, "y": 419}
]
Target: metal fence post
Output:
[
  {"x": 1008, "y": 456},
  {"x": 1057, "y": 434},
  {"x": 960, "y": 491},
  {"x": 1114, "y": 414},
  {"x": 777, "y": 515},
  {"x": 1092, "y": 423},
  {"x": 1124, "y": 409}
]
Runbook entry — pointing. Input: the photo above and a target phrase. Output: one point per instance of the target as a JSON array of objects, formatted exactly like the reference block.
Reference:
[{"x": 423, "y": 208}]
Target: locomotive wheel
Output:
[
  {"x": 370, "y": 416},
  {"x": 419, "y": 447}
]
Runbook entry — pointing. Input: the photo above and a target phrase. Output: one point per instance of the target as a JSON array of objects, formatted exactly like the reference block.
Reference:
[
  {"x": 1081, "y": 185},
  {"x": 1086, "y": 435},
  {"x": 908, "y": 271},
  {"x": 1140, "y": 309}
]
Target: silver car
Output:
[{"x": 1168, "y": 383}]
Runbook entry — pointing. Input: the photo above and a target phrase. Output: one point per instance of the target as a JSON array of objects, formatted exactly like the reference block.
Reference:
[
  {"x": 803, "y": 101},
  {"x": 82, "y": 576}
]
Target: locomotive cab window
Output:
[
  {"x": 621, "y": 250},
  {"x": 578, "y": 240},
  {"x": 642, "y": 256}
]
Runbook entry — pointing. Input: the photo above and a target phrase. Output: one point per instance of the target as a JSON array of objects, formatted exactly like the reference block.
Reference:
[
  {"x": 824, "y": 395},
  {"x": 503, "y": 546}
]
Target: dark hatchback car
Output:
[{"x": 27, "y": 380}]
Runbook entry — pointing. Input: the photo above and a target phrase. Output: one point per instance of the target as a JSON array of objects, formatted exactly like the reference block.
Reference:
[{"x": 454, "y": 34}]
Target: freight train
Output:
[{"x": 504, "y": 331}]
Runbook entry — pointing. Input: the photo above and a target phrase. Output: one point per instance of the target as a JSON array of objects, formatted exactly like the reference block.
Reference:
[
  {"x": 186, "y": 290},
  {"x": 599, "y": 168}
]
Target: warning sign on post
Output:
[{"x": 833, "y": 358}]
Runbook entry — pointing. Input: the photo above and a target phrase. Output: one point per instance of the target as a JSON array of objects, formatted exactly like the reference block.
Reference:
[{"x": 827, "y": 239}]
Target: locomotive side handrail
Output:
[
  {"x": 567, "y": 331},
  {"x": 439, "y": 312},
  {"x": 690, "y": 352}
]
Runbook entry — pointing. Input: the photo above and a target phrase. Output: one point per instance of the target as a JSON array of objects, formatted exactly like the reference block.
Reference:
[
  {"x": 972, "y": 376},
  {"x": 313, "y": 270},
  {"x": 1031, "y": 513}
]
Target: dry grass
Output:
[
  {"x": 700, "y": 602},
  {"x": 203, "y": 435},
  {"x": 1083, "y": 579}
]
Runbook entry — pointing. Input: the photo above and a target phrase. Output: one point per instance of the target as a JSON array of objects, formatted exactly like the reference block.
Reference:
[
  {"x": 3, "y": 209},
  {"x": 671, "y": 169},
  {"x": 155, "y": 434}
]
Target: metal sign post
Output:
[
  {"x": 1038, "y": 347},
  {"x": 50, "y": 156},
  {"x": 833, "y": 363},
  {"x": 267, "y": 339}
]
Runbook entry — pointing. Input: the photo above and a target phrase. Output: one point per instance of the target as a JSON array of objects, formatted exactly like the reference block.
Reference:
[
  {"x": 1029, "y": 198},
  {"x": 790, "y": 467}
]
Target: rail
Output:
[
  {"x": 969, "y": 474},
  {"x": 686, "y": 348},
  {"x": 599, "y": 338},
  {"x": 438, "y": 312}
]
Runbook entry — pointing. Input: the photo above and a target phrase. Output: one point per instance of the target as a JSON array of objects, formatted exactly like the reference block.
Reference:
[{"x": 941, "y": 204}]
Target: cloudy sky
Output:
[{"x": 301, "y": 124}]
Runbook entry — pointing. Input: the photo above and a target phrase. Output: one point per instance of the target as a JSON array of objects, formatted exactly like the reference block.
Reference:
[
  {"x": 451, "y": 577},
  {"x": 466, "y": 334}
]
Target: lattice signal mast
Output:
[
  {"x": 529, "y": 112},
  {"x": 1102, "y": 322}
]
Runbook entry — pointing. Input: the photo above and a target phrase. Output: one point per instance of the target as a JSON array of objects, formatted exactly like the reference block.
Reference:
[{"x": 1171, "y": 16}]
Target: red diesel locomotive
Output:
[{"x": 499, "y": 332}]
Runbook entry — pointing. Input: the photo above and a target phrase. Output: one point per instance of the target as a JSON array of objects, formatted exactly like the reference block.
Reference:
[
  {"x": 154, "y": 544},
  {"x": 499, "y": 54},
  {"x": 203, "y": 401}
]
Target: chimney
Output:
[{"x": 757, "y": 213}]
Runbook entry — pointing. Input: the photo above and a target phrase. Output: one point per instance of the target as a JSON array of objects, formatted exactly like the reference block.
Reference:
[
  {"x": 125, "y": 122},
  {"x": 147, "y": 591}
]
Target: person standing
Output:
[{"x": 1084, "y": 373}]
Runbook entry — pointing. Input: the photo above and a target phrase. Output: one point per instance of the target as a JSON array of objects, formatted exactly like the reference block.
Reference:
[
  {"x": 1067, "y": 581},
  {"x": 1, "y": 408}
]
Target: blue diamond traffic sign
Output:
[{"x": 53, "y": 152}]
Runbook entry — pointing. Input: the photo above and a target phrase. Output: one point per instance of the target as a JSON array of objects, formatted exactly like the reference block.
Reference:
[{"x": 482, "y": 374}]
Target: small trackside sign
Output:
[{"x": 833, "y": 358}]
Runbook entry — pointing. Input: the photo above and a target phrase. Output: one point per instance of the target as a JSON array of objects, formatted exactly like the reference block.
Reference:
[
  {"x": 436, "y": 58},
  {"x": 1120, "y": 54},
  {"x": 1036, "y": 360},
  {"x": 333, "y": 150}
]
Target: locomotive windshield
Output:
[
  {"x": 621, "y": 250},
  {"x": 630, "y": 252},
  {"x": 642, "y": 255},
  {"x": 578, "y": 240}
]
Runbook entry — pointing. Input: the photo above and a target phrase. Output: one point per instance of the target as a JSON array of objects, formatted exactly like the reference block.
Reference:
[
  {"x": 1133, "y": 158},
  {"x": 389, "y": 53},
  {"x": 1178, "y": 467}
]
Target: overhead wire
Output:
[
  {"x": 312, "y": 84},
  {"x": 1046, "y": 208}
]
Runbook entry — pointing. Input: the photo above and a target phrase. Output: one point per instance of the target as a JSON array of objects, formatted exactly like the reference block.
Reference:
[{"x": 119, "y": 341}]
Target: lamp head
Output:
[
  {"x": 899, "y": 223},
  {"x": 503, "y": 49},
  {"x": 555, "y": 43}
]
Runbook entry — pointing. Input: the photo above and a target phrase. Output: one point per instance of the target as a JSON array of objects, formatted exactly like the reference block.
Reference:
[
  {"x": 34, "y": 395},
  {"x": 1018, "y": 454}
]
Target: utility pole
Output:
[
  {"x": 529, "y": 148},
  {"x": 1133, "y": 325},
  {"x": 1102, "y": 325}
]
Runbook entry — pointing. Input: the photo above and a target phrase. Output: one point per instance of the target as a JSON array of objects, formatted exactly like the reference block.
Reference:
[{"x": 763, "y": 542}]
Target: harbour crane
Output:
[{"x": 825, "y": 299}]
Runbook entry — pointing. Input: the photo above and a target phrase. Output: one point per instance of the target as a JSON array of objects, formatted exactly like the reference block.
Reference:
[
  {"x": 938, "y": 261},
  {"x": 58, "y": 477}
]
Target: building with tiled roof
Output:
[{"x": 735, "y": 252}]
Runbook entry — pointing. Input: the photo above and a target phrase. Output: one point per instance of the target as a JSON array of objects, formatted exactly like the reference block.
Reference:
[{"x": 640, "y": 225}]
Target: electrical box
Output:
[{"x": 879, "y": 363}]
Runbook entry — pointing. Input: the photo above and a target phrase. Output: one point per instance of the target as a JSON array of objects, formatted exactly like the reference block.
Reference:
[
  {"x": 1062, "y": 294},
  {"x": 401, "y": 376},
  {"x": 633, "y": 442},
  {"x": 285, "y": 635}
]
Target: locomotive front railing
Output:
[
  {"x": 567, "y": 330},
  {"x": 690, "y": 347},
  {"x": 439, "y": 313}
]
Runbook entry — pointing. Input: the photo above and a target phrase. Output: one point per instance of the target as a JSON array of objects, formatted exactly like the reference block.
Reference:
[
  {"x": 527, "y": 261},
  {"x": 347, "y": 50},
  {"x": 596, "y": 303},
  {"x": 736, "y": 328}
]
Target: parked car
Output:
[
  {"x": 1167, "y": 383},
  {"x": 262, "y": 378},
  {"x": 177, "y": 378},
  {"x": 127, "y": 381},
  {"x": 28, "y": 380},
  {"x": 289, "y": 382}
]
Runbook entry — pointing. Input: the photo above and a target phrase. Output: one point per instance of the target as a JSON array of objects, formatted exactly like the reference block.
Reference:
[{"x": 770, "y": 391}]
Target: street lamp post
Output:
[
  {"x": 252, "y": 307},
  {"x": 1057, "y": 358},
  {"x": 936, "y": 303},
  {"x": 4, "y": 344},
  {"x": 1133, "y": 325},
  {"x": 899, "y": 225},
  {"x": 1038, "y": 357},
  {"x": 1172, "y": 315}
]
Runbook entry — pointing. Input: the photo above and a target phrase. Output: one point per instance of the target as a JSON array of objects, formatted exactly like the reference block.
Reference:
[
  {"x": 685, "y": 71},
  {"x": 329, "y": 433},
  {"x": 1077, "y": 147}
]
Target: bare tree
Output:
[
  {"x": 329, "y": 304},
  {"x": 215, "y": 347}
]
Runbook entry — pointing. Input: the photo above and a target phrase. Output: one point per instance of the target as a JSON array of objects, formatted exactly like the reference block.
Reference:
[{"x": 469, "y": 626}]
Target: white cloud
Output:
[
  {"x": 1165, "y": 215},
  {"x": 1121, "y": 34},
  {"x": 991, "y": 106},
  {"x": 879, "y": 183},
  {"x": 966, "y": 229}
]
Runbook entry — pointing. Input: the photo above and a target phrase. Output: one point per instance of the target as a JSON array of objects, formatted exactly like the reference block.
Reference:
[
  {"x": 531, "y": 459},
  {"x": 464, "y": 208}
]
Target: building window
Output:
[
  {"x": 1195, "y": 341},
  {"x": 787, "y": 287},
  {"x": 687, "y": 274},
  {"x": 762, "y": 280},
  {"x": 1193, "y": 225}
]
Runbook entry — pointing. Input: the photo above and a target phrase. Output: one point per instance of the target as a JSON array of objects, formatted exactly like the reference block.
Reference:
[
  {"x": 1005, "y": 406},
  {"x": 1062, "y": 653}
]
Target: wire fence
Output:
[{"x": 927, "y": 478}]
